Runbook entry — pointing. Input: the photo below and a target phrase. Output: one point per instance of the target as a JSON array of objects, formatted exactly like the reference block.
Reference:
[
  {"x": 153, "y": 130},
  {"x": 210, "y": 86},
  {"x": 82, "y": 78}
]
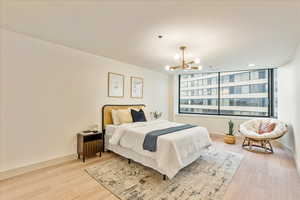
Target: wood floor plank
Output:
[{"x": 259, "y": 176}]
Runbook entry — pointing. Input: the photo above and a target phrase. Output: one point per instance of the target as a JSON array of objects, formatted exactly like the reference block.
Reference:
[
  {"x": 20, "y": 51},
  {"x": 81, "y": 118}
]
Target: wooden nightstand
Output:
[{"x": 88, "y": 144}]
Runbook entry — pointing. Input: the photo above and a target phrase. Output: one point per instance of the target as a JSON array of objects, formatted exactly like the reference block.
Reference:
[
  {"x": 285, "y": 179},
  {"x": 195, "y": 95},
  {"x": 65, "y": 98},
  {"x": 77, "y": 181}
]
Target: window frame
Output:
[{"x": 271, "y": 82}]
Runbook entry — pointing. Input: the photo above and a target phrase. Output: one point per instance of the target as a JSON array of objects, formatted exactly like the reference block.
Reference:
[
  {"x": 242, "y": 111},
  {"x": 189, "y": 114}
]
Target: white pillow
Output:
[{"x": 115, "y": 117}]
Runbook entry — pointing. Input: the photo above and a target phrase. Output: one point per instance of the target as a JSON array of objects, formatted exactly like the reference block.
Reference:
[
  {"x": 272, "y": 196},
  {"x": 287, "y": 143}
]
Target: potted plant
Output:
[
  {"x": 229, "y": 137},
  {"x": 157, "y": 114}
]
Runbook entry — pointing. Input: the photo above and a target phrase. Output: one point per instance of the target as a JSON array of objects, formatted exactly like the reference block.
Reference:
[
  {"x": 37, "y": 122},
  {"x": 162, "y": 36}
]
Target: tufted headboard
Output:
[{"x": 106, "y": 112}]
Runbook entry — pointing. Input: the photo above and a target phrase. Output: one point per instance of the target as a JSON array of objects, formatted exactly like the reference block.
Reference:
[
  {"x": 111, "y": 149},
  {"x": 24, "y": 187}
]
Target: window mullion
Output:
[
  {"x": 179, "y": 92},
  {"x": 270, "y": 92},
  {"x": 219, "y": 93}
]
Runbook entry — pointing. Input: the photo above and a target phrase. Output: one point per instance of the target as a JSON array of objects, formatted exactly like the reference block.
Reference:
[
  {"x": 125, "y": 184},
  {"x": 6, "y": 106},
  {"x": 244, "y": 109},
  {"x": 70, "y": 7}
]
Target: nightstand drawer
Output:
[
  {"x": 89, "y": 144},
  {"x": 93, "y": 137},
  {"x": 92, "y": 147}
]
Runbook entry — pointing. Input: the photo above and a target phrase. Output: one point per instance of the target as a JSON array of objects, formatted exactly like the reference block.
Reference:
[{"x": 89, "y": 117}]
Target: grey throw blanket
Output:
[{"x": 150, "y": 141}]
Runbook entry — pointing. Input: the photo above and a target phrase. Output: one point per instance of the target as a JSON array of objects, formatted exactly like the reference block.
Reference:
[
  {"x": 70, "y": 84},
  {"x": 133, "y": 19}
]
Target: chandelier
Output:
[{"x": 184, "y": 64}]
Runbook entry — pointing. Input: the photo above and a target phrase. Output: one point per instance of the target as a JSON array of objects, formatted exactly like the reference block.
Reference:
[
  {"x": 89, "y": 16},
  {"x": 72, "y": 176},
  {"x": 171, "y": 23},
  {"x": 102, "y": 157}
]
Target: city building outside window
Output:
[{"x": 241, "y": 93}]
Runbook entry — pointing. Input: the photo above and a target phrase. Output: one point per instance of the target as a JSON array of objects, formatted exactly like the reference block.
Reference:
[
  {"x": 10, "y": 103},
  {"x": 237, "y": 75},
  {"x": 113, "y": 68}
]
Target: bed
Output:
[{"x": 174, "y": 150}]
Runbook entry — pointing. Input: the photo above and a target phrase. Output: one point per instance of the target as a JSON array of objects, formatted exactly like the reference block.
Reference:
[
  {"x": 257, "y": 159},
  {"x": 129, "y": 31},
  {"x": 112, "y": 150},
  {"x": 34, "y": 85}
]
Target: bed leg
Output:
[
  {"x": 129, "y": 161},
  {"x": 164, "y": 177}
]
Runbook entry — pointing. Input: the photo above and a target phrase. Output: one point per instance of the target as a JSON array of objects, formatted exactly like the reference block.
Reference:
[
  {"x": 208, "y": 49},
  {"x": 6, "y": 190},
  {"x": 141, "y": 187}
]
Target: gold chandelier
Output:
[{"x": 184, "y": 64}]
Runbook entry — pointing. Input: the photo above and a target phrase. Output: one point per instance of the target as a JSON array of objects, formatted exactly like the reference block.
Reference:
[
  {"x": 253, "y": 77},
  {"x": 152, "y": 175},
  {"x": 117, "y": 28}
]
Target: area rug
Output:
[{"x": 205, "y": 179}]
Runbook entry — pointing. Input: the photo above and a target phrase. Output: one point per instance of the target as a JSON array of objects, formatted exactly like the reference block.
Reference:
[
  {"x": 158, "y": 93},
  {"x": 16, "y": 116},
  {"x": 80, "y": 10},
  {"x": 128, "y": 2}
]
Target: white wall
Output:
[
  {"x": 287, "y": 102},
  {"x": 214, "y": 124},
  {"x": 50, "y": 92},
  {"x": 289, "y": 99},
  {"x": 1, "y": 104}
]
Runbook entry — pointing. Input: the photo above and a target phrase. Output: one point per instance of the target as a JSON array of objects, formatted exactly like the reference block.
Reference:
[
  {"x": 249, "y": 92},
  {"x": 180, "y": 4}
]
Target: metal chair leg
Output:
[
  {"x": 263, "y": 145},
  {"x": 271, "y": 148},
  {"x": 244, "y": 142},
  {"x": 250, "y": 145}
]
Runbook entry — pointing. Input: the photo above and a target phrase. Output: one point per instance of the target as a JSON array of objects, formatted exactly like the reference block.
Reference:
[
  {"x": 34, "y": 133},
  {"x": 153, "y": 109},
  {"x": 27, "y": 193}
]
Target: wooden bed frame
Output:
[{"x": 106, "y": 112}]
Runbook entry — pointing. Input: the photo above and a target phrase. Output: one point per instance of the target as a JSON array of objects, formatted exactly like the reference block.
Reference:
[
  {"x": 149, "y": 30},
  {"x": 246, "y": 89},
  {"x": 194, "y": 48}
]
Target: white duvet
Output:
[{"x": 174, "y": 150}]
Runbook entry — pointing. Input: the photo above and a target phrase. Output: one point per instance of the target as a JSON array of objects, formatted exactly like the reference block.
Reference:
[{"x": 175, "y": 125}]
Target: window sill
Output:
[{"x": 217, "y": 116}]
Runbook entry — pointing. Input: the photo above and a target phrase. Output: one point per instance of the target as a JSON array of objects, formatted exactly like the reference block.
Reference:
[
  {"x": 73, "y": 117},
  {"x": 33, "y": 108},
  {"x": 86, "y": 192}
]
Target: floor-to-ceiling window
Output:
[{"x": 245, "y": 93}]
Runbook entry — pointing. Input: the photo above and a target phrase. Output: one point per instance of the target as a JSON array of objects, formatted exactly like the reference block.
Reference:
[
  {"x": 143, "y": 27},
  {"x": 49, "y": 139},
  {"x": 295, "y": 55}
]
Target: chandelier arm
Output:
[
  {"x": 184, "y": 65},
  {"x": 177, "y": 66},
  {"x": 174, "y": 67}
]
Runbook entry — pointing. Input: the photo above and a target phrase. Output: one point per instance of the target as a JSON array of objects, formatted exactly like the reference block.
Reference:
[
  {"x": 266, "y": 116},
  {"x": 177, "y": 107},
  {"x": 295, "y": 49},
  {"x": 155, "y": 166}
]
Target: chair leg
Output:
[
  {"x": 244, "y": 142},
  {"x": 263, "y": 145},
  {"x": 250, "y": 145},
  {"x": 271, "y": 148}
]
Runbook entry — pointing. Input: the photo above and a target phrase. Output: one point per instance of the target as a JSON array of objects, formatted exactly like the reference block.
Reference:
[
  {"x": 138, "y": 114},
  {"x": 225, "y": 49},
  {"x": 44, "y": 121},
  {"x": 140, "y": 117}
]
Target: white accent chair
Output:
[{"x": 249, "y": 130}]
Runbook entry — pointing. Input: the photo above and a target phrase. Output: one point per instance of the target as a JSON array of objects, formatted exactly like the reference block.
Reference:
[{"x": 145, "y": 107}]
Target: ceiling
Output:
[{"x": 227, "y": 35}]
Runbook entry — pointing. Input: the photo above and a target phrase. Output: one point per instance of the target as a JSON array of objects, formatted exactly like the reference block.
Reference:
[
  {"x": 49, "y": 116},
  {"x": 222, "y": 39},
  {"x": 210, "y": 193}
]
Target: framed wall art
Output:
[
  {"x": 115, "y": 85},
  {"x": 137, "y": 86}
]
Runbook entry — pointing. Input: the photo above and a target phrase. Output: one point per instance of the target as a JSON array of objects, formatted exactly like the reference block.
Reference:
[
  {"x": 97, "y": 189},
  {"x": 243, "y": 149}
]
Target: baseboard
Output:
[
  {"x": 222, "y": 135},
  {"x": 22, "y": 170}
]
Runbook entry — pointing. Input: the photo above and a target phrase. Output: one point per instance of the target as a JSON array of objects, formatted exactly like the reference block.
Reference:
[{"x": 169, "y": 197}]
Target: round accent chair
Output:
[{"x": 251, "y": 130}]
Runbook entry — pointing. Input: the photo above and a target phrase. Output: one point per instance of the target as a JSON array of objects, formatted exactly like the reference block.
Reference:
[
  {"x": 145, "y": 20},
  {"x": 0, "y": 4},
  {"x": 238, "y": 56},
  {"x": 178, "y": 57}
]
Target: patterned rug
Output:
[{"x": 205, "y": 179}]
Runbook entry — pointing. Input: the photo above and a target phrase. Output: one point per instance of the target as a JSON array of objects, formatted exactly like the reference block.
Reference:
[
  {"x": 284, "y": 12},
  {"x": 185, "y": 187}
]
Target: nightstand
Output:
[{"x": 88, "y": 144}]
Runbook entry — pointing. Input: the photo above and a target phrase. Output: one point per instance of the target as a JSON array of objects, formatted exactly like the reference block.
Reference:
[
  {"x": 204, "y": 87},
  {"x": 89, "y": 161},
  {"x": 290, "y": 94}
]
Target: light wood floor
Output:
[{"x": 260, "y": 177}]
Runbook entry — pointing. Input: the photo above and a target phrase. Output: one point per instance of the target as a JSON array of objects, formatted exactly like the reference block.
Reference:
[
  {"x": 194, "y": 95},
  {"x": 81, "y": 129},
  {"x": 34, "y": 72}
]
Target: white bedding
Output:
[{"x": 174, "y": 150}]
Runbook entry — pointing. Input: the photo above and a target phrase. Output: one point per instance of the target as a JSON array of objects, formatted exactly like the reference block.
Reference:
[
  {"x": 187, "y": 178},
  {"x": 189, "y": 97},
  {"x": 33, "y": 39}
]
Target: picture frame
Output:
[
  {"x": 115, "y": 85},
  {"x": 137, "y": 87}
]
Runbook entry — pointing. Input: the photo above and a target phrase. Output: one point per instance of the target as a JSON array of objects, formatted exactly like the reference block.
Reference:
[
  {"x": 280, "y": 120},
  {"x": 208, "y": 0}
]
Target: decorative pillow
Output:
[
  {"x": 146, "y": 112},
  {"x": 124, "y": 116},
  {"x": 115, "y": 117},
  {"x": 138, "y": 116},
  {"x": 266, "y": 127}
]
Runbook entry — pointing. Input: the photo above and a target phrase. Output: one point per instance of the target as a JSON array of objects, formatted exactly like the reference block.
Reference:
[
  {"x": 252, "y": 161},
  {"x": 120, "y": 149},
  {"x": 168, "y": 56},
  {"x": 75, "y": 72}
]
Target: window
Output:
[
  {"x": 204, "y": 97},
  {"x": 241, "y": 93}
]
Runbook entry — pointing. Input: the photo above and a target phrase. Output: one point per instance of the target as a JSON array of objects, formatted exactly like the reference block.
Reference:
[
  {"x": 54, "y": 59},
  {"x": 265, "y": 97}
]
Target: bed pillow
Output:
[
  {"x": 115, "y": 117},
  {"x": 124, "y": 116},
  {"x": 138, "y": 116},
  {"x": 266, "y": 127},
  {"x": 146, "y": 112}
]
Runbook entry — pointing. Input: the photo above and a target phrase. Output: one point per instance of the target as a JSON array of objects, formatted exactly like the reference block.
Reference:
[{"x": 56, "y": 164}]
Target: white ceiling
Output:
[{"x": 227, "y": 35}]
